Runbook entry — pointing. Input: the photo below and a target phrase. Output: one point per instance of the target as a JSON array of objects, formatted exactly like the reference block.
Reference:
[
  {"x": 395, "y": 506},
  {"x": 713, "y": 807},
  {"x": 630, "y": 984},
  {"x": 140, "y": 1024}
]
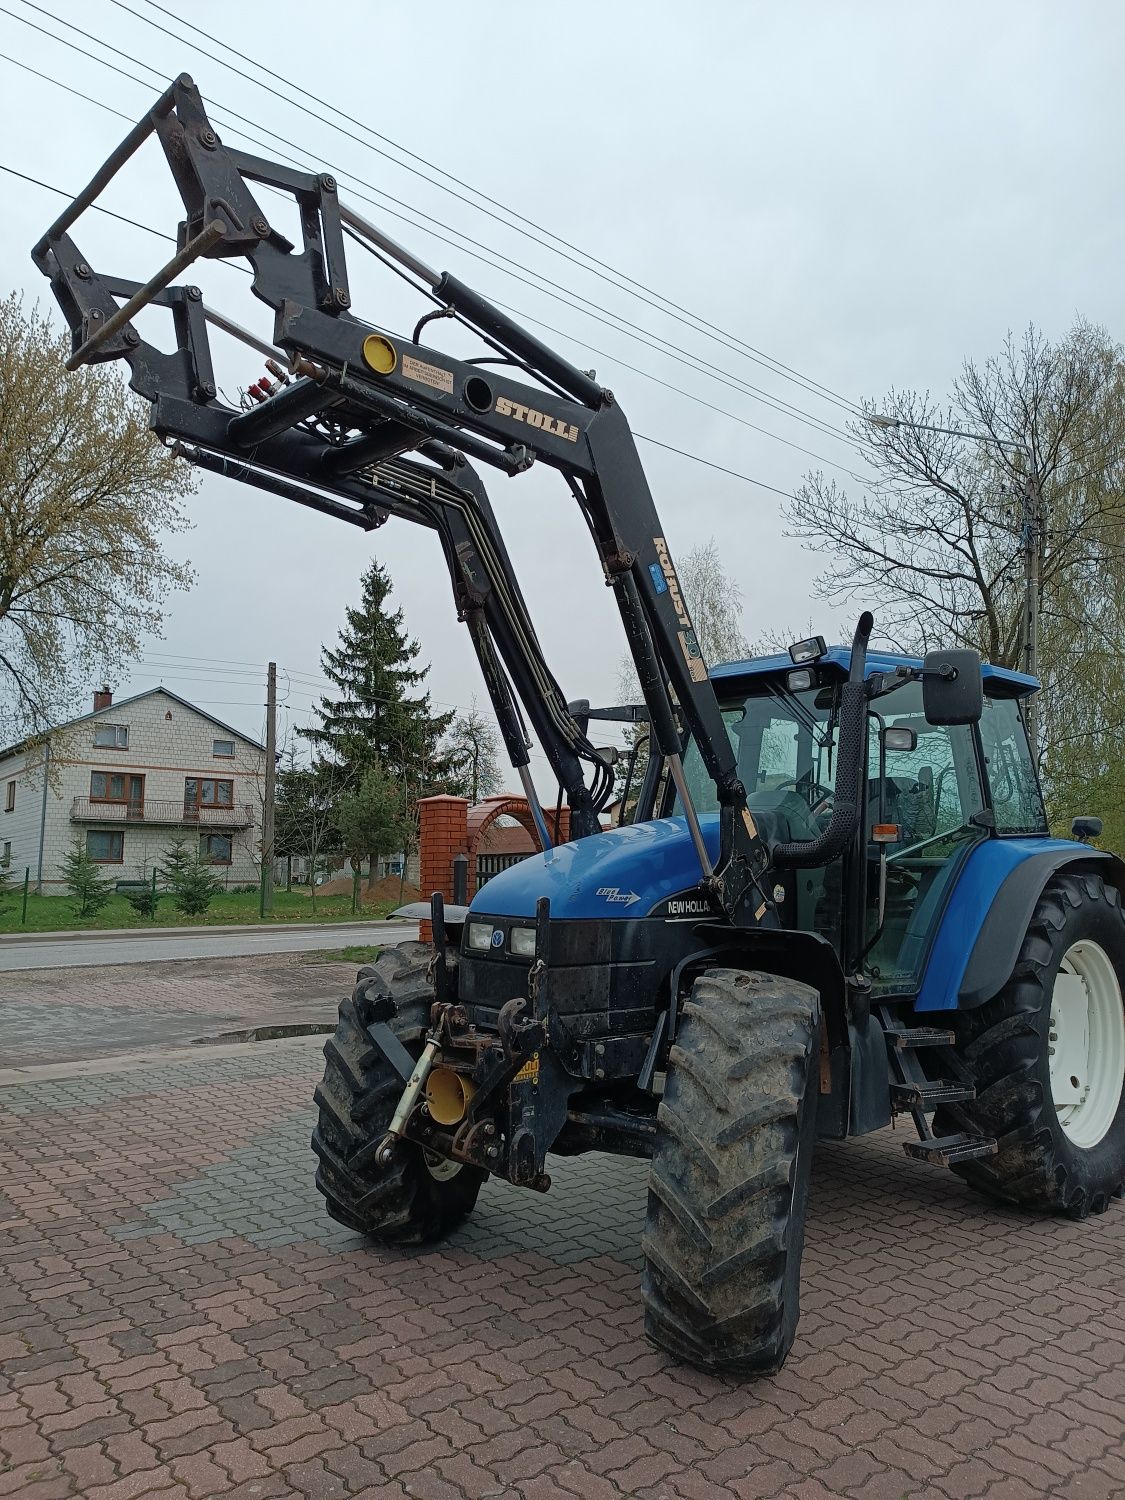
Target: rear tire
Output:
[
  {"x": 1056, "y": 1107},
  {"x": 728, "y": 1186},
  {"x": 411, "y": 1199}
]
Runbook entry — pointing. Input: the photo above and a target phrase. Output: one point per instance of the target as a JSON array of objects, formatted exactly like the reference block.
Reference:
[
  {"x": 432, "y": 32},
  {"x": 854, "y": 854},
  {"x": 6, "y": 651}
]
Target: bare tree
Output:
[
  {"x": 936, "y": 544},
  {"x": 472, "y": 748},
  {"x": 308, "y": 799},
  {"x": 86, "y": 496},
  {"x": 714, "y": 598}
]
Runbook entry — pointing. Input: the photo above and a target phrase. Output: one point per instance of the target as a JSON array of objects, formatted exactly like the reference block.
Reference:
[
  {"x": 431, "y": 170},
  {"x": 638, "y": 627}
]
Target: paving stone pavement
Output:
[
  {"x": 179, "y": 1318},
  {"x": 64, "y": 1014}
]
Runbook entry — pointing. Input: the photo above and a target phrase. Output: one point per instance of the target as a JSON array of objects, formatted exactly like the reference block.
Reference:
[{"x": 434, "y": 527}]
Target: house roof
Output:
[{"x": 101, "y": 713}]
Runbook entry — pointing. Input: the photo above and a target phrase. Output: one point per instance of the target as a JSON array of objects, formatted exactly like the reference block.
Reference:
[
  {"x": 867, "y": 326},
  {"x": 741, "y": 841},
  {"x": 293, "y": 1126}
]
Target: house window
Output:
[
  {"x": 6, "y": 861},
  {"x": 207, "y": 791},
  {"x": 113, "y": 786},
  {"x": 223, "y": 748},
  {"x": 10, "y": 797},
  {"x": 112, "y": 736},
  {"x": 104, "y": 847},
  {"x": 216, "y": 848}
]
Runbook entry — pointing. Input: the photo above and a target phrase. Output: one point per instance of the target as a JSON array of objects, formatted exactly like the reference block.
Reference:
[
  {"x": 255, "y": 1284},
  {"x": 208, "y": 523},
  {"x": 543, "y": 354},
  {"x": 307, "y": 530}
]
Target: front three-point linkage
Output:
[{"x": 337, "y": 435}]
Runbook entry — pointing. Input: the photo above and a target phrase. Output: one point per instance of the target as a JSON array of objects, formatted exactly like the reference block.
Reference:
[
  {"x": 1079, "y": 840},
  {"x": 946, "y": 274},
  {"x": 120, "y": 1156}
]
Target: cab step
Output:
[
  {"x": 948, "y": 1150},
  {"x": 905, "y": 1037},
  {"x": 928, "y": 1094}
]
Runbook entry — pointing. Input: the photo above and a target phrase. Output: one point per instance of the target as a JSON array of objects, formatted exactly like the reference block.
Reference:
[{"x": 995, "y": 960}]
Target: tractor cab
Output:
[{"x": 931, "y": 794}]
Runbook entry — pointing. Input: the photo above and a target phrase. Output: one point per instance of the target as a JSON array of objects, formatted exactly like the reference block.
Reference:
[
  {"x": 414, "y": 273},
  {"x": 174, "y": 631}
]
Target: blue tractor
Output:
[{"x": 831, "y": 899}]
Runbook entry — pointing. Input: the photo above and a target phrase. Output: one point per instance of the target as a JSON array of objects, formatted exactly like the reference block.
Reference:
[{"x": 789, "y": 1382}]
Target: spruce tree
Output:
[
  {"x": 190, "y": 878},
  {"x": 380, "y": 713},
  {"x": 87, "y": 887}
]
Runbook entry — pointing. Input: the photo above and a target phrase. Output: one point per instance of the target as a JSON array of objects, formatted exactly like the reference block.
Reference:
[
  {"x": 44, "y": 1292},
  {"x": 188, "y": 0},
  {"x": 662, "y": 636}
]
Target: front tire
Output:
[
  {"x": 1048, "y": 1058},
  {"x": 728, "y": 1186},
  {"x": 416, "y": 1197}
]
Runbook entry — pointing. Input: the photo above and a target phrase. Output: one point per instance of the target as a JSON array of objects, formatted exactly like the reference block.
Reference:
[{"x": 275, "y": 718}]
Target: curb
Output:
[
  {"x": 94, "y": 934},
  {"x": 127, "y": 1062}
]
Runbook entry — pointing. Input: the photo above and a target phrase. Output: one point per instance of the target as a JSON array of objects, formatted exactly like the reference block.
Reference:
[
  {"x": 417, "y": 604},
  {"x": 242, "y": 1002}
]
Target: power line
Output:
[
  {"x": 683, "y": 452},
  {"x": 35, "y": 181},
  {"x": 624, "y": 283},
  {"x": 689, "y": 395},
  {"x": 595, "y": 311}
]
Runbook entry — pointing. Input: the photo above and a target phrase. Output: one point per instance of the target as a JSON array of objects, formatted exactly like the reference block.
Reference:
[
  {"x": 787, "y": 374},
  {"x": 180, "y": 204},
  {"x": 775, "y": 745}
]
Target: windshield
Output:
[
  {"x": 785, "y": 747},
  {"x": 781, "y": 741}
]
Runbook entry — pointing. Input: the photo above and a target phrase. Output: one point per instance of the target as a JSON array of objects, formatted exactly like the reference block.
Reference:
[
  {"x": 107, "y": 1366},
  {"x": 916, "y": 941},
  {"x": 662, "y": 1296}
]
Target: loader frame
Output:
[{"x": 358, "y": 400}]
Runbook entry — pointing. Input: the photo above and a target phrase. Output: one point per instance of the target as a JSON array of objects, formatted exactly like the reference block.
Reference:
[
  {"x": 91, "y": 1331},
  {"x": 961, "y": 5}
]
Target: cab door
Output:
[{"x": 920, "y": 824}]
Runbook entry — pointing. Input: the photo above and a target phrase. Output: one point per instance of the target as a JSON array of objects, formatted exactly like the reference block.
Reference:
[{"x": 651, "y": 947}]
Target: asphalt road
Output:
[{"x": 195, "y": 942}]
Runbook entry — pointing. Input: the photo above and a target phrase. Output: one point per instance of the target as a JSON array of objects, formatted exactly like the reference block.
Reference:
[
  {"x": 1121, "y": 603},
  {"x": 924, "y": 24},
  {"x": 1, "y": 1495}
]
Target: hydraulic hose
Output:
[{"x": 847, "y": 796}]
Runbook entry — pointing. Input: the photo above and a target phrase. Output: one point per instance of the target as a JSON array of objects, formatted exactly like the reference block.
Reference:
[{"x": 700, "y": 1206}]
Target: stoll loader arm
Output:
[{"x": 335, "y": 430}]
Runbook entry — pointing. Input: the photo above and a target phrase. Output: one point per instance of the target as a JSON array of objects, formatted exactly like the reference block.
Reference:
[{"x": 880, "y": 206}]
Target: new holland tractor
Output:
[{"x": 835, "y": 899}]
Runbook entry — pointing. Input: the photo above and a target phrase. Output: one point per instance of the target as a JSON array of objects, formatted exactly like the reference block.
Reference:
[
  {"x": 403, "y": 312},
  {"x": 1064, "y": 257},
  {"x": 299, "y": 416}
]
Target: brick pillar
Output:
[{"x": 443, "y": 831}]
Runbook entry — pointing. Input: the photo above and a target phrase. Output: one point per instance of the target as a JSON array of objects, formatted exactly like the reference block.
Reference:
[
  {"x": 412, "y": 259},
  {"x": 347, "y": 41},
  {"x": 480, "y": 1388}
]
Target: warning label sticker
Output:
[{"x": 432, "y": 375}]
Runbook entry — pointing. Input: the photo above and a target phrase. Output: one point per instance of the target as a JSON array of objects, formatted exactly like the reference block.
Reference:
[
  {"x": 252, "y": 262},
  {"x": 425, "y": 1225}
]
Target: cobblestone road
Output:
[
  {"x": 179, "y": 1318},
  {"x": 60, "y": 1015}
]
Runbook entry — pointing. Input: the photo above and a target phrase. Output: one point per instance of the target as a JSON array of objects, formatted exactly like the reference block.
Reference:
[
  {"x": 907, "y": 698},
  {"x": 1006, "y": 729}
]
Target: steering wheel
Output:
[{"x": 812, "y": 791}]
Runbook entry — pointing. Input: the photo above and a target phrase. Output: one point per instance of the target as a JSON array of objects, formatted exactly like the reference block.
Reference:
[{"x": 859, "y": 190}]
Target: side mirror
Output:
[
  {"x": 952, "y": 691},
  {"x": 897, "y": 737},
  {"x": 1086, "y": 829}
]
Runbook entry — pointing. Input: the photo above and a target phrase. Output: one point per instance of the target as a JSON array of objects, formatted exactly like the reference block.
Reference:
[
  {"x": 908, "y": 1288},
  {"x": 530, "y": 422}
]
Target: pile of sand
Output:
[{"x": 380, "y": 893}]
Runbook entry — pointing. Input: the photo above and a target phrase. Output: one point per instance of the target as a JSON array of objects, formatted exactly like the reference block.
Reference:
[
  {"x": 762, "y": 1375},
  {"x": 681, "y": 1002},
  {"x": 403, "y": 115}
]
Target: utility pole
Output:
[
  {"x": 266, "y": 903},
  {"x": 1033, "y": 528}
]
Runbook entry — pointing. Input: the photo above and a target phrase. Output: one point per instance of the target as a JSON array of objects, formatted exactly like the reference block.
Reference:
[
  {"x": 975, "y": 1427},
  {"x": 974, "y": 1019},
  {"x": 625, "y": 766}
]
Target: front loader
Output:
[{"x": 836, "y": 900}]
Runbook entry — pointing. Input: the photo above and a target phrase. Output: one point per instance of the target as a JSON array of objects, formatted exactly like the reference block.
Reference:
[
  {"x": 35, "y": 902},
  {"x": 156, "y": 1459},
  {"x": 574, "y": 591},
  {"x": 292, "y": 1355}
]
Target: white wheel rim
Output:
[{"x": 1086, "y": 1044}]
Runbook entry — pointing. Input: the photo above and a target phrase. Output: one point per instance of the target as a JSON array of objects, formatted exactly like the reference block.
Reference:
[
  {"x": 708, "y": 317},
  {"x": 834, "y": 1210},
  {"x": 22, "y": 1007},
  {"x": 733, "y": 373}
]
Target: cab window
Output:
[
  {"x": 1011, "y": 775},
  {"x": 785, "y": 747}
]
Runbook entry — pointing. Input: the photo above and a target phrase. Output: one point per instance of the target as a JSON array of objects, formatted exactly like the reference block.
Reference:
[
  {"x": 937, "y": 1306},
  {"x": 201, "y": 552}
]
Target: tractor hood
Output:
[{"x": 624, "y": 872}]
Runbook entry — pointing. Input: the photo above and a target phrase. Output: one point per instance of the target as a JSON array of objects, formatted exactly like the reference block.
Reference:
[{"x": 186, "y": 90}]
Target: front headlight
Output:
[
  {"x": 480, "y": 935},
  {"x": 522, "y": 941}
]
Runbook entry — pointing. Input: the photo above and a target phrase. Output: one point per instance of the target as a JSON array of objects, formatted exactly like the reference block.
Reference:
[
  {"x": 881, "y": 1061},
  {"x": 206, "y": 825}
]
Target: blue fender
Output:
[{"x": 985, "y": 920}]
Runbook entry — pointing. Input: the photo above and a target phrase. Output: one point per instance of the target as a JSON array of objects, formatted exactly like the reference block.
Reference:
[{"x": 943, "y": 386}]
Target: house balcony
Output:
[{"x": 162, "y": 812}]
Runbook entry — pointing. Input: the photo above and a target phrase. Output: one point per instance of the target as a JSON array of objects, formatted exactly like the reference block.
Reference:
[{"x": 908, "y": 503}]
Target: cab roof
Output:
[{"x": 1000, "y": 681}]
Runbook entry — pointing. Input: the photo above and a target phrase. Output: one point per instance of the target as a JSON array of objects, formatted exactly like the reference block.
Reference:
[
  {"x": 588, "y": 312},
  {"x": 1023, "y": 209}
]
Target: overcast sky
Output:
[{"x": 865, "y": 193}]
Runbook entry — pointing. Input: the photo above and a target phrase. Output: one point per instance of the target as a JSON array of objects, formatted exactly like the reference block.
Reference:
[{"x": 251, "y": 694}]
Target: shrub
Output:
[
  {"x": 145, "y": 902},
  {"x": 189, "y": 879},
  {"x": 88, "y": 888}
]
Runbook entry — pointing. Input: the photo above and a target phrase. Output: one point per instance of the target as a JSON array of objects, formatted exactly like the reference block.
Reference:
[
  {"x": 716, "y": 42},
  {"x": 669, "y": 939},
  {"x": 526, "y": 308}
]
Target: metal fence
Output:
[{"x": 489, "y": 865}]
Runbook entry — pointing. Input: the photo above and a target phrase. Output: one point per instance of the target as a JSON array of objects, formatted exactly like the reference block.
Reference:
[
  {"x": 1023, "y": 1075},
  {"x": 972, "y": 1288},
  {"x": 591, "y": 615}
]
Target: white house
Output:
[{"x": 126, "y": 780}]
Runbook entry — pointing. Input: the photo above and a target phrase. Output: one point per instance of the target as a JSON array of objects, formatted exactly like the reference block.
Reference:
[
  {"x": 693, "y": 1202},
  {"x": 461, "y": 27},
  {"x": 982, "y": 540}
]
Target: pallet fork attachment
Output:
[{"x": 372, "y": 425}]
